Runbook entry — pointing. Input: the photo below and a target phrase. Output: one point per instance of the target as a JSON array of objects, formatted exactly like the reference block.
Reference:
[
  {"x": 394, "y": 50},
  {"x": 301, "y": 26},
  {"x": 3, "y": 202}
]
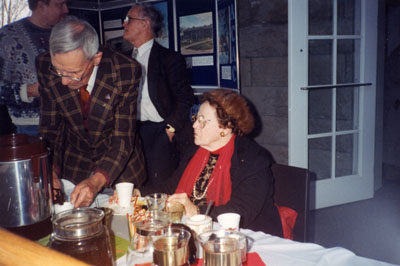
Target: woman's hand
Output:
[{"x": 182, "y": 198}]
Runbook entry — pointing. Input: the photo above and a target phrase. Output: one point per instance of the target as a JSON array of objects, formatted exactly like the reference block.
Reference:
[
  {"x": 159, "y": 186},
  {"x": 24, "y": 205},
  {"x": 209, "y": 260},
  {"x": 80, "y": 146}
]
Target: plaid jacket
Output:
[{"x": 111, "y": 143}]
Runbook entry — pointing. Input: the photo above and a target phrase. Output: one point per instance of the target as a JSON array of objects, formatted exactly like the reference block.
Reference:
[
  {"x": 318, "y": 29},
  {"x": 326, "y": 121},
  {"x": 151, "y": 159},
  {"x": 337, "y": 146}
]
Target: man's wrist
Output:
[
  {"x": 99, "y": 180},
  {"x": 170, "y": 128}
]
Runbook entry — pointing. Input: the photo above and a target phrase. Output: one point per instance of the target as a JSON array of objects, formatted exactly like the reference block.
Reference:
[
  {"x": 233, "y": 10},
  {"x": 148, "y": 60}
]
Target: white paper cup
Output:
[
  {"x": 65, "y": 207},
  {"x": 124, "y": 192},
  {"x": 229, "y": 221},
  {"x": 199, "y": 223}
]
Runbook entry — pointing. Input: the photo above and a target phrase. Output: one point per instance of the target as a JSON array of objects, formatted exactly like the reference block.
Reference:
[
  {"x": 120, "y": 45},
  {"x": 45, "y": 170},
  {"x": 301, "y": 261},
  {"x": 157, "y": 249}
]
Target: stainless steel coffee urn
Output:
[{"x": 25, "y": 191}]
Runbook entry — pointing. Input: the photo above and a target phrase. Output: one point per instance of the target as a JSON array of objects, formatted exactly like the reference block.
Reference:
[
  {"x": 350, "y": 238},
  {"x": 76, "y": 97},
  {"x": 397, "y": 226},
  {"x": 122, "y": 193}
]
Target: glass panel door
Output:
[
  {"x": 330, "y": 116},
  {"x": 333, "y": 58}
]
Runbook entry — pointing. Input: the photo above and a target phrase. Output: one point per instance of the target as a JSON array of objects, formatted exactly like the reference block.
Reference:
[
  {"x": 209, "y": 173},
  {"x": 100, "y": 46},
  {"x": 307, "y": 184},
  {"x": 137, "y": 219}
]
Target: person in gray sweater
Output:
[{"x": 20, "y": 43}]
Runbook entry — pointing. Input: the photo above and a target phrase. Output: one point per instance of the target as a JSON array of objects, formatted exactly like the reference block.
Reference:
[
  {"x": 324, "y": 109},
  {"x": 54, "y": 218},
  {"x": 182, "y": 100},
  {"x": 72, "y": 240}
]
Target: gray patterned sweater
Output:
[{"x": 20, "y": 43}]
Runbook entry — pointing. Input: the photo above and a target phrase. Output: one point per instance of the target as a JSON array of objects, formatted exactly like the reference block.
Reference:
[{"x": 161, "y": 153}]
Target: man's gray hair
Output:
[
  {"x": 155, "y": 17},
  {"x": 73, "y": 33}
]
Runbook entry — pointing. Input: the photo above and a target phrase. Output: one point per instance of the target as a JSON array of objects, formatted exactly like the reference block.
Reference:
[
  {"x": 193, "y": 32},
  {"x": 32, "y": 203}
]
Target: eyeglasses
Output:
[
  {"x": 55, "y": 72},
  {"x": 128, "y": 19},
  {"x": 201, "y": 120}
]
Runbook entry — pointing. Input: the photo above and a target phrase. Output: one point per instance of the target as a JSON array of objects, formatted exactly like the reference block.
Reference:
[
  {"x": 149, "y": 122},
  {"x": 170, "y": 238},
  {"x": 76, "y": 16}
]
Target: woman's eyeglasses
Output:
[
  {"x": 55, "y": 72},
  {"x": 128, "y": 19},
  {"x": 200, "y": 119}
]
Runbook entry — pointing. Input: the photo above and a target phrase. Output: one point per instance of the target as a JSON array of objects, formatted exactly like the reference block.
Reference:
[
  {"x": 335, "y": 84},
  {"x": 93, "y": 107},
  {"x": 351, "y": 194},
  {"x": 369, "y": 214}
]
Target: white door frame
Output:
[{"x": 329, "y": 192}]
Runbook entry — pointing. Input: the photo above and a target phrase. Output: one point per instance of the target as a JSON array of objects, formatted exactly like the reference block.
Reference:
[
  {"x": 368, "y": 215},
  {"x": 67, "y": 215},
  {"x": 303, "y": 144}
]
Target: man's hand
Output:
[
  {"x": 170, "y": 135},
  {"x": 85, "y": 192},
  {"x": 33, "y": 90}
]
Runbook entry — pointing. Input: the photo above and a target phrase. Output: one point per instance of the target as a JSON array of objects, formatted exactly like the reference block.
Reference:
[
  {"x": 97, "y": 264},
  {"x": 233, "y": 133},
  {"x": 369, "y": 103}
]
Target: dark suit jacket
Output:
[
  {"x": 252, "y": 187},
  {"x": 169, "y": 86},
  {"x": 111, "y": 143}
]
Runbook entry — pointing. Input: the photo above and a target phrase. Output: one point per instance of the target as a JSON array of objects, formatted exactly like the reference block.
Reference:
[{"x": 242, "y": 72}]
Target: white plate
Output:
[{"x": 118, "y": 210}]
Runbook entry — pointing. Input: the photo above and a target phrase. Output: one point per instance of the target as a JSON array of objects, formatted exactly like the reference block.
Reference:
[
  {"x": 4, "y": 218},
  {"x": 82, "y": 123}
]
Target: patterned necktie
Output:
[{"x": 84, "y": 95}]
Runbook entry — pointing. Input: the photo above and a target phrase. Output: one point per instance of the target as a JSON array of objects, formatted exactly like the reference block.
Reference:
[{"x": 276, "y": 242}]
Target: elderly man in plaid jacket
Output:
[{"x": 88, "y": 111}]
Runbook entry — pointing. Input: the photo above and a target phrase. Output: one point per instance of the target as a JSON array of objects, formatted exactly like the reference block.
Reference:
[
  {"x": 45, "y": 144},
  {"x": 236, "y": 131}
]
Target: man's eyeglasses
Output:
[
  {"x": 55, "y": 72},
  {"x": 128, "y": 19},
  {"x": 201, "y": 120}
]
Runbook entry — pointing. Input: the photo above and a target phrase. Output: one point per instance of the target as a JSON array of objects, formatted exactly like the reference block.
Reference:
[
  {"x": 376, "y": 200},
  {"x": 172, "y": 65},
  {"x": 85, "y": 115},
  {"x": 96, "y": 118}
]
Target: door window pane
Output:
[
  {"x": 320, "y": 17},
  {"x": 348, "y": 61},
  {"x": 347, "y": 108},
  {"x": 346, "y": 155},
  {"x": 319, "y": 62},
  {"x": 348, "y": 17},
  {"x": 319, "y": 157},
  {"x": 319, "y": 111}
]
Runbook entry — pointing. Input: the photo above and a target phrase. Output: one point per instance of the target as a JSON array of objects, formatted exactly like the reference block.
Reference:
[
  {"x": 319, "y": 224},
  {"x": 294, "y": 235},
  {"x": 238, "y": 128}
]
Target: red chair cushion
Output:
[{"x": 288, "y": 220}]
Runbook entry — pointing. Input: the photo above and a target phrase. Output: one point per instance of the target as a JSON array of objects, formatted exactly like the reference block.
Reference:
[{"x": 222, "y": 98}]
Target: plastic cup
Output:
[
  {"x": 124, "y": 192},
  {"x": 65, "y": 207},
  {"x": 229, "y": 221},
  {"x": 156, "y": 201},
  {"x": 175, "y": 211}
]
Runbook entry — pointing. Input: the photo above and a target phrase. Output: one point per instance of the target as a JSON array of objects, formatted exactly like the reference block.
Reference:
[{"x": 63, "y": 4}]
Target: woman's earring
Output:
[{"x": 222, "y": 134}]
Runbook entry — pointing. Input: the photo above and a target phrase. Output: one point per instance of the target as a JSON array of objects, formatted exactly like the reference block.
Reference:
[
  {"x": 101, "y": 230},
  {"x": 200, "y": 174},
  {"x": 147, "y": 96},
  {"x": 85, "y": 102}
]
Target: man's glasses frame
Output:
[
  {"x": 128, "y": 19},
  {"x": 53, "y": 70}
]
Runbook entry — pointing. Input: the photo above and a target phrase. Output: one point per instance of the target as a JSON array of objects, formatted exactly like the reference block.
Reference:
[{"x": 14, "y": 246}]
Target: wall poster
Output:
[
  {"x": 196, "y": 34},
  {"x": 227, "y": 44}
]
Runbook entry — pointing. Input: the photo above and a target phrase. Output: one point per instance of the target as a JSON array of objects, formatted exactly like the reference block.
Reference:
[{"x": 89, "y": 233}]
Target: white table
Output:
[{"x": 275, "y": 251}]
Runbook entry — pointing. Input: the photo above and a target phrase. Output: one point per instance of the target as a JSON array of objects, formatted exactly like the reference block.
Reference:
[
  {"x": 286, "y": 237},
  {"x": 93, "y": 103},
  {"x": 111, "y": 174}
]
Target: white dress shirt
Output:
[{"x": 146, "y": 109}]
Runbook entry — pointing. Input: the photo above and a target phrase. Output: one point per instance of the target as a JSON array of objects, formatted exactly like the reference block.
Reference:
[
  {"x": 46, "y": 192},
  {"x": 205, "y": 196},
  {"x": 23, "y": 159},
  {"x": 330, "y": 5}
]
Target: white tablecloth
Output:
[{"x": 275, "y": 251}]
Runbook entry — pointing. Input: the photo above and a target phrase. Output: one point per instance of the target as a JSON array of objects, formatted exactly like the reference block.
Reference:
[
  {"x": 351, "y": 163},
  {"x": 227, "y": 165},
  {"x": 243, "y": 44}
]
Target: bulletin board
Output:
[
  {"x": 107, "y": 18},
  {"x": 203, "y": 31}
]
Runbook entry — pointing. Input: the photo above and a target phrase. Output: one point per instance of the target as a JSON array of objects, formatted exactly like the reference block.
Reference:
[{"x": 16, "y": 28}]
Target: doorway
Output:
[{"x": 332, "y": 92}]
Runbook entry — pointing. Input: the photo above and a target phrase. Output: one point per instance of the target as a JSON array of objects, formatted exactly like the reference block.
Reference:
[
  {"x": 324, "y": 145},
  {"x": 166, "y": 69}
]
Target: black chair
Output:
[{"x": 291, "y": 190}]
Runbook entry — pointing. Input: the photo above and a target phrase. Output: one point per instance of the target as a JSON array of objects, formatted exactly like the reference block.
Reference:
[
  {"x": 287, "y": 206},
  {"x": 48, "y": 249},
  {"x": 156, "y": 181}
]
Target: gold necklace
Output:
[{"x": 196, "y": 193}]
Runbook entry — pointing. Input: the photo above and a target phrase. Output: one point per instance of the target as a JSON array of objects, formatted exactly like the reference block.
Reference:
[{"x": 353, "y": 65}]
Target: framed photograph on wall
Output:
[{"x": 196, "y": 34}]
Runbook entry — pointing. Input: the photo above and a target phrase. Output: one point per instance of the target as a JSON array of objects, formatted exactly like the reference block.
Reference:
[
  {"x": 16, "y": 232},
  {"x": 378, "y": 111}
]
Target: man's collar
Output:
[
  {"x": 92, "y": 79},
  {"x": 144, "y": 47}
]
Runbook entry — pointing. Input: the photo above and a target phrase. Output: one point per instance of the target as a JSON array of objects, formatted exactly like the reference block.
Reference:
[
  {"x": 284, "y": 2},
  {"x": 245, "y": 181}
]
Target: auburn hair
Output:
[{"x": 232, "y": 110}]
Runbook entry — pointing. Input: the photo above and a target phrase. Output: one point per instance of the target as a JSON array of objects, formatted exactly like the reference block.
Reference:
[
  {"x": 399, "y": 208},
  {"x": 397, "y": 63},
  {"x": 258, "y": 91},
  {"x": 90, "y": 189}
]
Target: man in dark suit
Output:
[
  {"x": 88, "y": 111},
  {"x": 165, "y": 96}
]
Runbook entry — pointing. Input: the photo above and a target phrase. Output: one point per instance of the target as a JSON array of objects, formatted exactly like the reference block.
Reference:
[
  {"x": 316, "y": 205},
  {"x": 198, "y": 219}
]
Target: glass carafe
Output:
[
  {"x": 81, "y": 234},
  {"x": 140, "y": 249}
]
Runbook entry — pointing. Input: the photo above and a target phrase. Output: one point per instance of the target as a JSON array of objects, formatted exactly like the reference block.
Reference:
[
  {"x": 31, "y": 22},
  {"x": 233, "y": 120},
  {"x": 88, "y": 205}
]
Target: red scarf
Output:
[{"x": 219, "y": 184}]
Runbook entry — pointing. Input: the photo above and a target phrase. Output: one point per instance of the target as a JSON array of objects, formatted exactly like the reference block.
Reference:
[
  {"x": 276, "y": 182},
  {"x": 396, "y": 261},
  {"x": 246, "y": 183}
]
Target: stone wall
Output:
[{"x": 263, "y": 57}]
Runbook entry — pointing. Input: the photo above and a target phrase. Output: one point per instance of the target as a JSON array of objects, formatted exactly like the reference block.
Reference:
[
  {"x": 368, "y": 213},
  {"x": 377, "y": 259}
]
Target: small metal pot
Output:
[{"x": 25, "y": 187}]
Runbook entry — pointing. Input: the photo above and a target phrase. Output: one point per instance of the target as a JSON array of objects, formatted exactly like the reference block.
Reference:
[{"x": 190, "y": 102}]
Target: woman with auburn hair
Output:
[{"x": 225, "y": 166}]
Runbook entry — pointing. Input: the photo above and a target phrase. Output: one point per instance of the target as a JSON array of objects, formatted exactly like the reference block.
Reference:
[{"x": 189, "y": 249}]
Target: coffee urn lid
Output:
[{"x": 15, "y": 147}]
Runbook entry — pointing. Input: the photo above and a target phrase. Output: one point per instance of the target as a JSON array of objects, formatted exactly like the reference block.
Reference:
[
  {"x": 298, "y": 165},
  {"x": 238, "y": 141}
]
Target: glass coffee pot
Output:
[{"x": 81, "y": 234}]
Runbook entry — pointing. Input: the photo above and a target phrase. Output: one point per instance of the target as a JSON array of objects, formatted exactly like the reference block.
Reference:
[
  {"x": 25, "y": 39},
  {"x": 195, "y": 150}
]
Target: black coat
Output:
[
  {"x": 169, "y": 86},
  {"x": 252, "y": 187}
]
